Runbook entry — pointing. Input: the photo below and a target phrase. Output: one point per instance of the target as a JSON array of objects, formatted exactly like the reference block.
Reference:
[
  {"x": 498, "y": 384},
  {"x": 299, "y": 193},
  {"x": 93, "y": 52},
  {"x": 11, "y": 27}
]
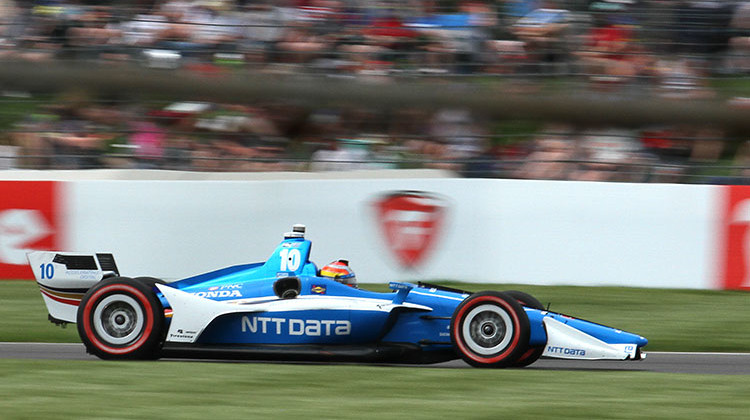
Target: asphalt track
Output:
[{"x": 696, "y": 363}]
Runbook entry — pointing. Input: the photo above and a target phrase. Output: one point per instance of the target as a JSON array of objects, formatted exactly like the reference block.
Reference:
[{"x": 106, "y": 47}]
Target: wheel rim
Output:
[
  {"x": 118, "y": 320},
  {"x": 487, "y": 329}
]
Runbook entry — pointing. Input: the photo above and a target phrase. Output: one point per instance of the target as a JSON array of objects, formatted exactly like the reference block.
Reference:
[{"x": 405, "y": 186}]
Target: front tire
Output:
[
  {"x": 525, "y": 299},
  {"x": 490, "y": 329},
  {"x": 535, "y": 352},
  {"x": 121, "y": 318}
]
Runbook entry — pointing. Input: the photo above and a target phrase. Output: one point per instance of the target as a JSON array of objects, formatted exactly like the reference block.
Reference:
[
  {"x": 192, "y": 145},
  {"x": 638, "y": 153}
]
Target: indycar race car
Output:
[{"x": 284, "y": 308}]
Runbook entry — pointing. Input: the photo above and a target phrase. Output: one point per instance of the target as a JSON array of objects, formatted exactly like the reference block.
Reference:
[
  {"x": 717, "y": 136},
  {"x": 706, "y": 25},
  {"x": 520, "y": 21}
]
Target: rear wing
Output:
[{"x": 64, "y": 278}]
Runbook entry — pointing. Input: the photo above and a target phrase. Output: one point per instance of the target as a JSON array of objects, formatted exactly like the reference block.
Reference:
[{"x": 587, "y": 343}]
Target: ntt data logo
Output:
[{"x": 411, "y": 223}]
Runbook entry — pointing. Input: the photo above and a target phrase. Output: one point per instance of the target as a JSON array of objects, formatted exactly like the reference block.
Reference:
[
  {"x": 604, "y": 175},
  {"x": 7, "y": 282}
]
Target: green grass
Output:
[
  {"x": 672, "y": 320},
  {"x": 185, "y": 390},
  {"x": 24, "y": 316},
  {"x": 677, "y": 320}
]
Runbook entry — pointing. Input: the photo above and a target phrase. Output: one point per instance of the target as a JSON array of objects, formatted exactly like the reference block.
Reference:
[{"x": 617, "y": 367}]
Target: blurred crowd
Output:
[
  {"x": 674, "y": 49},
  {"x": 76, "y": 133},
  {"x": 606, "y": 38}
]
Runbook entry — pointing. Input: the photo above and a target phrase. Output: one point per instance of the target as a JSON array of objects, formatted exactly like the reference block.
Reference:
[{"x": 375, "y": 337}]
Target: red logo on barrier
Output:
[
  {"x": 27, "y": 221},
  {"x": 410, "y": 222},
  {"x": 736, "y": 239}
]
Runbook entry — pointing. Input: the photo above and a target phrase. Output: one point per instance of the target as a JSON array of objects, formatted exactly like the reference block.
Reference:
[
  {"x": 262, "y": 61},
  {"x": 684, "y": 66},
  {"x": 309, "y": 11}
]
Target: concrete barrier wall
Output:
[{"x": 534, "y": 232}]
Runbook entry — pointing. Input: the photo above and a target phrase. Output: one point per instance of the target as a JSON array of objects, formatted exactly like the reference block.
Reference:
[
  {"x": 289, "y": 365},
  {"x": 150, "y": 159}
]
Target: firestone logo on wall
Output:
[
  {"x": 27, "y": 221},
  {"x": 735, "y": 233},
  {"x": 410, "y": 222}
]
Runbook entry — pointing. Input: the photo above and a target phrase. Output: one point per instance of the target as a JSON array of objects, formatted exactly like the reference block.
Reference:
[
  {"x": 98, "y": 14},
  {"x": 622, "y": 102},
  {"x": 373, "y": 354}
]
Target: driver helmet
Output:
[{"x": 340, "y": 271}]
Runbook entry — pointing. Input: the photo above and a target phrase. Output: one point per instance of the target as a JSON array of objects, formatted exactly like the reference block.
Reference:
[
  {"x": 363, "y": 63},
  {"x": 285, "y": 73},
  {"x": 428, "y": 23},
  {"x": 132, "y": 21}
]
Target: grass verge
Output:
[
  {"x": 672, "y": 320},
  {"x": 135, "y": 390}
]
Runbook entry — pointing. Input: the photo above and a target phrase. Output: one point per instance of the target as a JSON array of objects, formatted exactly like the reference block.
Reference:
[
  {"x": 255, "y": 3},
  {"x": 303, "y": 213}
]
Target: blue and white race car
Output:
[{"x": 285, "y": 308}]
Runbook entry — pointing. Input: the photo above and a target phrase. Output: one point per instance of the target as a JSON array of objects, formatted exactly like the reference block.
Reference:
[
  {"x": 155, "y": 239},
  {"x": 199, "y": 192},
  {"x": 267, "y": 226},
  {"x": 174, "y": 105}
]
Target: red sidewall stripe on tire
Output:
[
  {"x": 516, "y": 330},
  {"x": 147, "y": 311}
]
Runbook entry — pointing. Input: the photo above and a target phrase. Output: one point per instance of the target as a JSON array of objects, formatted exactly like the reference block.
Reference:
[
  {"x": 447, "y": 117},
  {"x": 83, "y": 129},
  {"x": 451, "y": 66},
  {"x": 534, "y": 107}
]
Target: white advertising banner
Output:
[{"x": 532, "y": 232}]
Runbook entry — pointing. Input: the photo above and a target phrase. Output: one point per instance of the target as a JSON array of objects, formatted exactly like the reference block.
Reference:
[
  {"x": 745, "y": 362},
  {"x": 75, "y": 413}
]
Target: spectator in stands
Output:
[
  {"x": 382, "y": 42},
  {"x": 553, "y": 155},
  {"x": 458, "y": 131},
  {"x": 609, "y": 155},
  {"x": 148, "y": 140},
  {"x": 612, "y": 55},
  {"x": 738, "y": 55},
  {"x": 545, "y": 34}
]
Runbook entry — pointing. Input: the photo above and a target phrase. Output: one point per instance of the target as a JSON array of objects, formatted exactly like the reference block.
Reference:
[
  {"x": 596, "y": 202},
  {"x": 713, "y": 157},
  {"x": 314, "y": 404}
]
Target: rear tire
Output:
[
  {"x": 150, "y": 281},
  {"x": 121, "y": 318},
  {"x": 534, "y": 352},
  {"x": 490, "y": 329}
]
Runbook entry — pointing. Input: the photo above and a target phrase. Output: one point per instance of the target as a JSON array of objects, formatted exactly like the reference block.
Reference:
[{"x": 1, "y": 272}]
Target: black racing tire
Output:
[
  {"x": 150, "y": 281},
  {"x": 534, "y": 352},
  {"x": 490, "y": 329},
  {"x": 121, "y": 318},
  {"x": 525, "y": 299}
]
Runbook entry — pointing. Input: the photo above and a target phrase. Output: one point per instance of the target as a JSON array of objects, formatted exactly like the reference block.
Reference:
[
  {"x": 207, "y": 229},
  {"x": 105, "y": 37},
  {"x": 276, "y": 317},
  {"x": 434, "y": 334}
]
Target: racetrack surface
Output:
[{"x": 700, "y": 363}]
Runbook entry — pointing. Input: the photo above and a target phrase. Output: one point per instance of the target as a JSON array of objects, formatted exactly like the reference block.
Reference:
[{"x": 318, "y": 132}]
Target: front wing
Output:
[{"x": 566, "y": 342}]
